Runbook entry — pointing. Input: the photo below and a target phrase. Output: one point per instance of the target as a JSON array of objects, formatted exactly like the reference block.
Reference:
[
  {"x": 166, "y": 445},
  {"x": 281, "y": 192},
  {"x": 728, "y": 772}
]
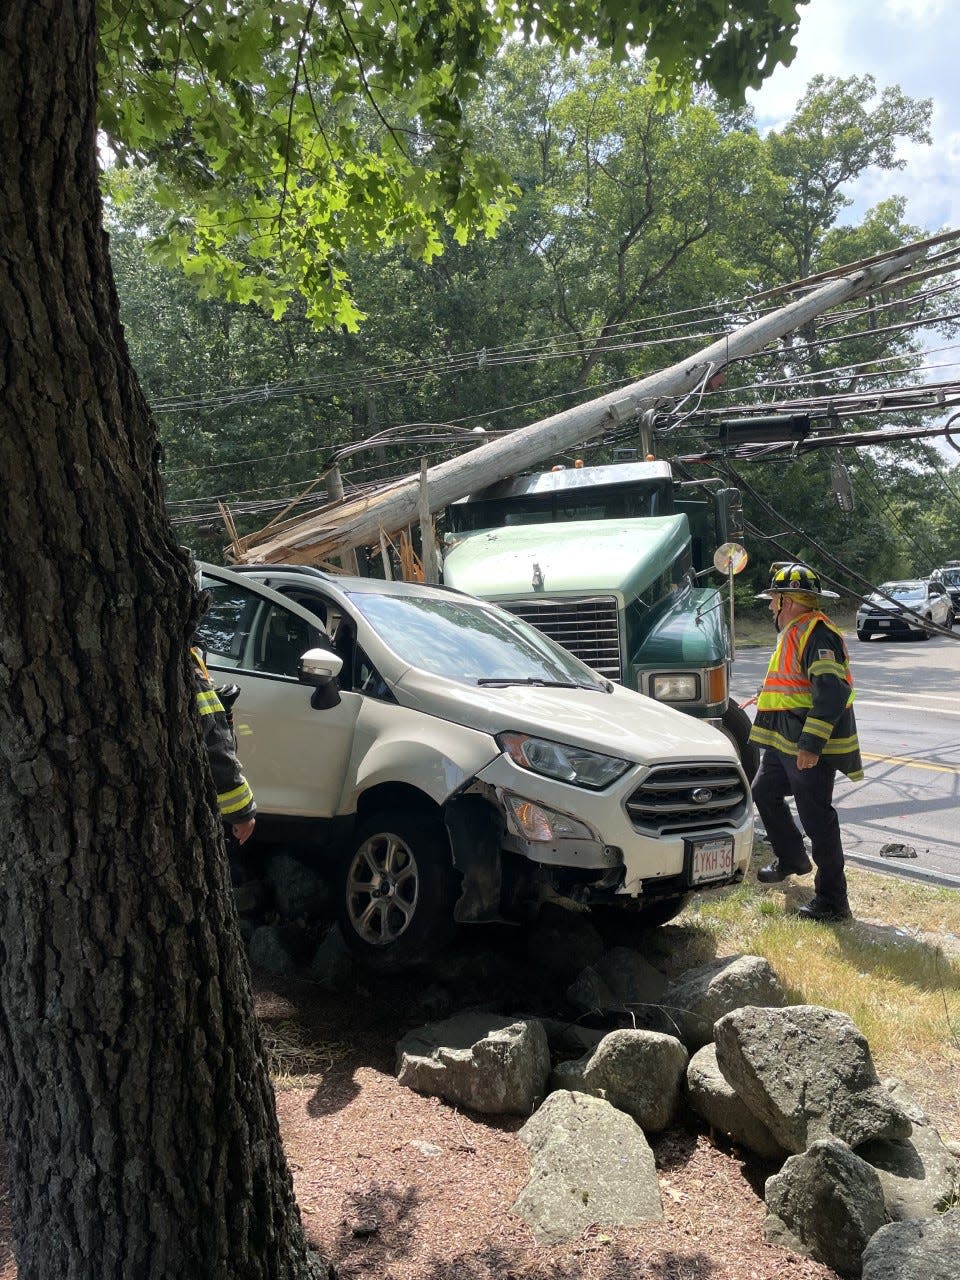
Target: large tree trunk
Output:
[{"x": 140, "y": 1119}]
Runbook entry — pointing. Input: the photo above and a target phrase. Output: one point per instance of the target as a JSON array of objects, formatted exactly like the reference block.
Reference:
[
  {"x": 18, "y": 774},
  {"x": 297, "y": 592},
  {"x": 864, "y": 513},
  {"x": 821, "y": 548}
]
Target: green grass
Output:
[
  {"x": 754, "y": 627},
  {"x": 895, "y": 970}
]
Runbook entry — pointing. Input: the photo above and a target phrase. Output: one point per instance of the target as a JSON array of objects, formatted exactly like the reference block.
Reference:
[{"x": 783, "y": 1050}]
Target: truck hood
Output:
[
  {"x": 620, "y": 723},
  {"x": 623, "y": 556}
]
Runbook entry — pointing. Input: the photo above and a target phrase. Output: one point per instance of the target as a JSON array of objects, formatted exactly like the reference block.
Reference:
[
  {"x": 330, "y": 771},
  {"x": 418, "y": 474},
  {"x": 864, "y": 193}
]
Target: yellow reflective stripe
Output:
[
  {"x": 208, "y": 702},
  {"x": 235, "y": 800},
  {"x": 826, "y": 667},
  {"x": 784, "y": 701},
  {"x": 840, "y": 746},
  {"x": 770, "y": 738},
  {"x": 819, "y": 728}
]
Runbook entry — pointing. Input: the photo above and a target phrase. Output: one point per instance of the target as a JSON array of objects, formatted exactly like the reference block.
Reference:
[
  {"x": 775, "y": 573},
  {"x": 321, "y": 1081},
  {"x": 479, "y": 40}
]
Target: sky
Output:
[{"x": 912, "y": 43}]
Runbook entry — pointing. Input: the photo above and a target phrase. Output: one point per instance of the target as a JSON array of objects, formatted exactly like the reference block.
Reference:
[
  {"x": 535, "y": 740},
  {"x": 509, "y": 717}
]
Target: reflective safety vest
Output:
[
  {"x": 785, "y": 704},
  {"x": 786, "y": 686}
]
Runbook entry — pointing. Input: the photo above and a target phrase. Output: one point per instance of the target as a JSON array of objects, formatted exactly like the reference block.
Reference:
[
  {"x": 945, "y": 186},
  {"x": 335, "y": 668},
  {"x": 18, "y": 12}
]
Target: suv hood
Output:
[
  {"x": 577, "y": 555},
  {"x": 617, "y": 723}
]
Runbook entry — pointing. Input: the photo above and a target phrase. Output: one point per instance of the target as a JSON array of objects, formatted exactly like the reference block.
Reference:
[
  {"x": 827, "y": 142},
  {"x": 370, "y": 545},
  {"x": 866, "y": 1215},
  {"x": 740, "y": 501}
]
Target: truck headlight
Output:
[
  {"x": 707, "y": 686},
  {"x": 576, "y": 765},
  {"x": 675, "y": 687}
]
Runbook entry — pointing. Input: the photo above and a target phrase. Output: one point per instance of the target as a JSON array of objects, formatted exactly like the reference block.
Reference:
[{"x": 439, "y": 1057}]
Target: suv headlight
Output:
[{"x": 576, "y": 765}]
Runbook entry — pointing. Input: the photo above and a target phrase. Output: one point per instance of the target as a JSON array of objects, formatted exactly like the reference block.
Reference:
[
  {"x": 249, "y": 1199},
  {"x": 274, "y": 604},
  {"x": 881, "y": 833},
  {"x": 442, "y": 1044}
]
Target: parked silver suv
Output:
[
  {"x": 910, "y": 605},
  {"x": 457, "y": 764}
]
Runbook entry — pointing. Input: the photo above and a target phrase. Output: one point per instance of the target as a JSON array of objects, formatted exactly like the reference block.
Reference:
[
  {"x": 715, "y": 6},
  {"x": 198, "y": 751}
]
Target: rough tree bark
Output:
[{"x": 140, "y": 1120}]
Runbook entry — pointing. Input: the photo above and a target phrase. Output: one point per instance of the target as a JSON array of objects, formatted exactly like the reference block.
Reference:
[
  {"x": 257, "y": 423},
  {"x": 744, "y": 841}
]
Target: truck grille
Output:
[
  {"x": 587, "y": 627},
  {"x": 664, "y": 802}
]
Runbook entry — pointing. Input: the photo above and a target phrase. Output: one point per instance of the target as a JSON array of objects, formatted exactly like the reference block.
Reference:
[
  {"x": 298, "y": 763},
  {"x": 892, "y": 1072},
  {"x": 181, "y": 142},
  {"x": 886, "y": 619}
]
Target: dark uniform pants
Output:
[{"x": 812, "y": 791}]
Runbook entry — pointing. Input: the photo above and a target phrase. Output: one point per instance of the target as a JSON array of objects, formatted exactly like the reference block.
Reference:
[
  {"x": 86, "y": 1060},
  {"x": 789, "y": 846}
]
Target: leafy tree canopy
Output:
[{"x": 284, "y": 132}]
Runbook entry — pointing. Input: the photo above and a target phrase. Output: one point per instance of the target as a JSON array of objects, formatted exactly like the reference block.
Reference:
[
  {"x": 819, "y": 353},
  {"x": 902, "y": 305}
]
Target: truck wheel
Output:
[
  {"x": 737, "y": 725},
  {"x": 397, "y": 892}
]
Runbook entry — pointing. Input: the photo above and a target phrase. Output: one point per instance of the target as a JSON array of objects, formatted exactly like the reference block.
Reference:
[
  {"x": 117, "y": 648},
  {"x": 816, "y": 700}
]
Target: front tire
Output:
[
  {"x": 737, "y": 725},
  {"x": 862, "y": 634},
  {"x": 397, "y": 891},
  {"x": 925, "y": 634}
]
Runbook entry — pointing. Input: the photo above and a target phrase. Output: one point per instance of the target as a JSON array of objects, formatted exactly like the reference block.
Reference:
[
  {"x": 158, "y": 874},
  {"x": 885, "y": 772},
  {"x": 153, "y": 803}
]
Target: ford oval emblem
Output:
[{"x": 702, "y": 795}]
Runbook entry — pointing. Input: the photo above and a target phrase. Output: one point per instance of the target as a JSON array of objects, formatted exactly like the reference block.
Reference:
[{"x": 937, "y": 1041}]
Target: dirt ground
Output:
[{"x": 397, "y": 1186}]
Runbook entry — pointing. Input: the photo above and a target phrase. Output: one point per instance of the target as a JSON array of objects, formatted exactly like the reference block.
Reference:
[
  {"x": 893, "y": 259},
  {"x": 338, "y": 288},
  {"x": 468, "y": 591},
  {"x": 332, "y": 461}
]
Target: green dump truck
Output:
[{"x": 607, "y": 560}]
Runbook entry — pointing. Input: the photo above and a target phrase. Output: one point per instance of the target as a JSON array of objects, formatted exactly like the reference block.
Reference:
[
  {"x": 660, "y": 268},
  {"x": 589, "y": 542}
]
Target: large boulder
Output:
[
  {"x": 590, "y": 1165},
  {"x": 920, "y": 1175},
  {"x": 278, "y": 949},
  {"x": 921, "y": 1249},
  {"x": 825, "y": 1204},
  {"x": 640, "y": 1072},
  {"x": 562, "y": 942},
  {"x": 807, "y": 1073},
  {"x": 491, "y": 1064},
  {"x": 619, "y": 979},
  {"x": 712, "y": 1099},
  {"x": 696, "y": 1000},
  {"x": 299, "y": 890}
]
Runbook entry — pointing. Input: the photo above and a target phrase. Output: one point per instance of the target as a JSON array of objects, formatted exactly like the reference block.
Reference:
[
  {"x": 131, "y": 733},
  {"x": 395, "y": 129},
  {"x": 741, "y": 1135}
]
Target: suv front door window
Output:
[{"x": 294, "y": 755}]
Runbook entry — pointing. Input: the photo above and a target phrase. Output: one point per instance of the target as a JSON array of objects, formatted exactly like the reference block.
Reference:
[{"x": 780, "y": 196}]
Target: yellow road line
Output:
[{"x": 913, "y": 764}]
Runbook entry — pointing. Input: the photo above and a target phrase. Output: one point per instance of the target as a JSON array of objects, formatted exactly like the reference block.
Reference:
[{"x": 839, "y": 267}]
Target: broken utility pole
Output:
[{"x": 363, "y": 521}]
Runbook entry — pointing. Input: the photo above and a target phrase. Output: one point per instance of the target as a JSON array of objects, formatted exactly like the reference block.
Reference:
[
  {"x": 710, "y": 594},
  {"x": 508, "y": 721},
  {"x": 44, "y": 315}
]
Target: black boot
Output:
[
  {"x": 774, "y": 872},
  {"x": 821, "y": 909}
]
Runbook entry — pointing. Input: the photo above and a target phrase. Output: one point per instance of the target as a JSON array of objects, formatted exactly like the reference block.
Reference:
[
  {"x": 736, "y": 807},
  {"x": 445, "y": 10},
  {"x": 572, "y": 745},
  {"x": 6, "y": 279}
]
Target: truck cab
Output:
[{"x": 606, "y": 560}]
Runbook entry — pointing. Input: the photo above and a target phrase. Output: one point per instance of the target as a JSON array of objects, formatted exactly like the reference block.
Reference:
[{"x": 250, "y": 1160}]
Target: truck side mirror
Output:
[{"x": 729, "y": 506}]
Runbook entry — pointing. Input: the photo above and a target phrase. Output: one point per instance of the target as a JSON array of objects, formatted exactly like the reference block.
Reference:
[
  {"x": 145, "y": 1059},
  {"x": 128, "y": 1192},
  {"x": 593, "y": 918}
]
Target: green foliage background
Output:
[{"x": 621, "y": 225}]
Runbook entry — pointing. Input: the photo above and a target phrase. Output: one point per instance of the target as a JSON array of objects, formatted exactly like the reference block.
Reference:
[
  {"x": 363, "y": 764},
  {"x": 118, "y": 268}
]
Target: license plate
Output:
[
  {"x": 711, "y": 859},
  {"x": 884, "y": 622}
]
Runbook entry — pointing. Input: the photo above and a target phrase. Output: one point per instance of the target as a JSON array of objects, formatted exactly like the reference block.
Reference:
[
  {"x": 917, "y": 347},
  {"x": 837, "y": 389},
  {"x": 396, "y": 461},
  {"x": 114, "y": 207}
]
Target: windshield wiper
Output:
[{"x": 537, "y": 681}]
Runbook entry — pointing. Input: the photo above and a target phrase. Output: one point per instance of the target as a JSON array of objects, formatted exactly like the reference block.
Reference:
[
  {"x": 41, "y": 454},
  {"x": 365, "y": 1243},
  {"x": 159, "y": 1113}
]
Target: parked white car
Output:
[
  {"x": 457, "y": 764},
  {"x": 913, "y": 603}
]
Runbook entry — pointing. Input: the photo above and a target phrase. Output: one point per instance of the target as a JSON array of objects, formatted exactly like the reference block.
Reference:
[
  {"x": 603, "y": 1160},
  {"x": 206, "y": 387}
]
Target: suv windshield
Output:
[
  {"x": 460, "y": 640},
  {"x": 904, "y": 590}
]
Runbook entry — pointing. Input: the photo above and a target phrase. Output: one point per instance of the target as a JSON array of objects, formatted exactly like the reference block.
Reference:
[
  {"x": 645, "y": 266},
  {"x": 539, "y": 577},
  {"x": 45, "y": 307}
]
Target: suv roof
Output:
[{"x": 342, "y": 582}]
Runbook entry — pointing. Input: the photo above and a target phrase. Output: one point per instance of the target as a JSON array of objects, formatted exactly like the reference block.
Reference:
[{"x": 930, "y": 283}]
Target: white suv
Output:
[{"x": 457, "y": 764}]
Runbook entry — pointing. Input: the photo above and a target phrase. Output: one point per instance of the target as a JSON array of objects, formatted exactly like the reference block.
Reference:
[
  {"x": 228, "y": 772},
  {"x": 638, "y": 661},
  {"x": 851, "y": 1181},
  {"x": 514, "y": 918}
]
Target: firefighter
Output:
[
  {"x": 234, "y": 796},
  {"x": 806, "y": 728}
]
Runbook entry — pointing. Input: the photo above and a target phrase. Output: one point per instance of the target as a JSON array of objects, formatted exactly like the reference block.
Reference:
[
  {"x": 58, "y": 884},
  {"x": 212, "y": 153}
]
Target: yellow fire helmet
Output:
[{"x": 795, "y": 579}]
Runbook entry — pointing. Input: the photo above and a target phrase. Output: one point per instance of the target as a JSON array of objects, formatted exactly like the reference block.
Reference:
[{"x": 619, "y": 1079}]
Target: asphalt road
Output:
[{"x": 908, "y": 718}]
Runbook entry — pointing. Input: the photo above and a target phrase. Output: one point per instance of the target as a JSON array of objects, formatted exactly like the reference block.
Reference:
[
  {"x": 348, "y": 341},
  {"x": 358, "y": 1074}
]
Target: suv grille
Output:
[
  {"x": 588, "y": 627},
  {"x": 664, "y": 802}
]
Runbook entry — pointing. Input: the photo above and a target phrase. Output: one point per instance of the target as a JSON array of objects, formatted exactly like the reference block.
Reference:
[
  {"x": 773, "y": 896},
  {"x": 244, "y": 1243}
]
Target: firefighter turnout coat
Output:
[
  {"x": 234, "y": 795},
  {"x": 806, "y": 699}
]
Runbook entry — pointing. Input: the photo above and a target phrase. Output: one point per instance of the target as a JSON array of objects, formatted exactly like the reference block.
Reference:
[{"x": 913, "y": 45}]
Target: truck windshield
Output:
[
  {"x": 464, "y": 641},
  {"x": 604, "y": 502}
]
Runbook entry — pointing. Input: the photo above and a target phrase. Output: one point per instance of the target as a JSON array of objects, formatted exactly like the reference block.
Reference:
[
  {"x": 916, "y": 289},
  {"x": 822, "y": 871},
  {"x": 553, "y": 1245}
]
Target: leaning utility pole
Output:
[{"x": 361, "y": 521}]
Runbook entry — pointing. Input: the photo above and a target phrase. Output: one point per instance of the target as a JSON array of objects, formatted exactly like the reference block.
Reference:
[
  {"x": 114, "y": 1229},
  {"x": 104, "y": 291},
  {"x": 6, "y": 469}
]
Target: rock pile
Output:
[{"x": 864, "y": 1177}]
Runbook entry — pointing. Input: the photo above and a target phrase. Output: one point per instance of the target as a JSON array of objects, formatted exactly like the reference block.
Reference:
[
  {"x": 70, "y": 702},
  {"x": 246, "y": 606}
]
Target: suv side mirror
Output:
[{"x": 320, "y": 667}]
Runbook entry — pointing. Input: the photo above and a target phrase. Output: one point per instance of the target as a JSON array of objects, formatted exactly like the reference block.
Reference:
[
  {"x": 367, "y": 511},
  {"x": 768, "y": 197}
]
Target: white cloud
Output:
[{"x": 911, "y": 43}]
